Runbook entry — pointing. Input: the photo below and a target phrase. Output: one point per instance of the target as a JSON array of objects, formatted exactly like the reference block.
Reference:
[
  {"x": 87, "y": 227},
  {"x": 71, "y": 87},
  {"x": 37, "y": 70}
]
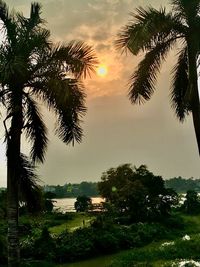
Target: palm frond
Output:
[
  {"x": 67, "y": 99},
  {"x": 79, "y": 58},
  {"x": 188, "y": 11},
  {"x": 142, "y": 82},
  {"x": 33, "y": 21},
  {"x": 179, "y": 86},
  {"x": 35, "y": 13},
  {"x": 70, "y": 111},
  {"x": 148, "y": 28},
  {"x": 60, "y": 61},
  {"x": 38, "y": 43},
  {"x": 29, "y": 189},
  {"x": 8, "y": 20},
  {"x": 35, "y": 129}
]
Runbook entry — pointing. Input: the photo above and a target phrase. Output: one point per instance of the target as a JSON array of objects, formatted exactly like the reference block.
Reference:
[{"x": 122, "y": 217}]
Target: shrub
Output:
[{"x": 177, "y": 250}]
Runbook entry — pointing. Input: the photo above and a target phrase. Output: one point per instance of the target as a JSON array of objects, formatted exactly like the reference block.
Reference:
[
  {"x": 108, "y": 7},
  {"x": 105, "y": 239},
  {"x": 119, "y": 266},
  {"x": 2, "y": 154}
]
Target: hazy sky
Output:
[{"x": 115, "y": 131}]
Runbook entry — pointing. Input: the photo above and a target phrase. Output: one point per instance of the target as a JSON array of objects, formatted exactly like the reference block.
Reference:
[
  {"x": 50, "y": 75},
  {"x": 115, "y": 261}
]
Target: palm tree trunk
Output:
[
  {"x": 12, "y": 204},
  {"x": 195, "y": 102},
  {"x": 196, "y": 122},
  {"x": 13, "y": 174}
]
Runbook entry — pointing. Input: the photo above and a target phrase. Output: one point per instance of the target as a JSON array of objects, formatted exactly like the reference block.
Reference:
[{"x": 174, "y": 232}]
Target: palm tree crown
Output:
[
  {"x": 33, "y": 67},
  {"x": 155, "y": 32}
]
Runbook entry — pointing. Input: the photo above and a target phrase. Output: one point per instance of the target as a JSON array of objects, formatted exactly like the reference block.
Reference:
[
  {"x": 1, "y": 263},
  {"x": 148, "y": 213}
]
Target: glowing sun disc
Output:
[{"x": 102, "y": 71}]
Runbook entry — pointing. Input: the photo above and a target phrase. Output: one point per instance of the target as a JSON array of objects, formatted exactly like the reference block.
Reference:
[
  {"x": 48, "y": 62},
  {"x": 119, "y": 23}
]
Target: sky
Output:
[{"x": 115, "y": 132}]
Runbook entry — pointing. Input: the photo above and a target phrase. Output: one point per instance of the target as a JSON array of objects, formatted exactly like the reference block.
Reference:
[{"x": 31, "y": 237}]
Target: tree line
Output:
[
  {"x": 73, "y": 190},
  {"x": 90, "y": 189},
  {"x": 182, "y": 185}
]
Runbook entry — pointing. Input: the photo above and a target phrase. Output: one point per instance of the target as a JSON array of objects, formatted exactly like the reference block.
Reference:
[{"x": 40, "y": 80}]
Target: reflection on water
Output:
[{"x": 67, "y": 204}]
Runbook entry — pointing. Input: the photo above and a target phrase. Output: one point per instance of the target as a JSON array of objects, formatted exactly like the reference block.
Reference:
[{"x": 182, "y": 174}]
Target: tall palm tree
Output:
[
  {"x": 33, "y": 68},
  {"x": 155, "y": 32}
]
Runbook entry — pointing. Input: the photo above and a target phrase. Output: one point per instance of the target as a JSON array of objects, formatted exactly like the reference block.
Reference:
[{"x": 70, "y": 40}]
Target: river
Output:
[{"x": 67, "y": 204}]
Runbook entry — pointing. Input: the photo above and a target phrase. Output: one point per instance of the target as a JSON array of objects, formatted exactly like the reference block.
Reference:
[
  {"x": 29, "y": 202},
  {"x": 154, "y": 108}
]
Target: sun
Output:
[{"x": 102, "y": 71}]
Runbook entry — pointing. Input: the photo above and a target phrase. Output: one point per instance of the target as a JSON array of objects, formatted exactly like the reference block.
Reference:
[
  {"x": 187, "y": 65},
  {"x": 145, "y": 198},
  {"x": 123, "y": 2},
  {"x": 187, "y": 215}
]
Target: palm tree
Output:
[
  {"x": 33, "y": 68},
  {"x": 156, "y": 32}
]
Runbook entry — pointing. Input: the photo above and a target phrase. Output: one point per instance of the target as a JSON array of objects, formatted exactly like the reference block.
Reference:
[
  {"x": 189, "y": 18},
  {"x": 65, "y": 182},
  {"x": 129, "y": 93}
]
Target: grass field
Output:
[{"x": 78, "y": 220}]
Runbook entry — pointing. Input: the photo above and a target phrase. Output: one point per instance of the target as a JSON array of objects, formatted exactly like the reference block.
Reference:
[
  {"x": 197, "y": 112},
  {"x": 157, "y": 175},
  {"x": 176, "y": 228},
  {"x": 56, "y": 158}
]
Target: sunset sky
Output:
[{"x": 116, "y": 132}]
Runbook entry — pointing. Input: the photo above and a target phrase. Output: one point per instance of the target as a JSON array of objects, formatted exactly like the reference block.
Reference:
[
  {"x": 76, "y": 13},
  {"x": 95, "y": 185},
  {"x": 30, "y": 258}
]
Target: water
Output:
[{"x": 67, "y": 204}]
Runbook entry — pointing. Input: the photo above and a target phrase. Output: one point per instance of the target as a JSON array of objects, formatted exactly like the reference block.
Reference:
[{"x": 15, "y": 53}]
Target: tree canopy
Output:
[{"x": 137, "y": 192}]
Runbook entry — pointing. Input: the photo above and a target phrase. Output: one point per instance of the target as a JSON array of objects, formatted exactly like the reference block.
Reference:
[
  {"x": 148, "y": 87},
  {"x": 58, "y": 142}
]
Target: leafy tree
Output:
[
  {"x": 49, "y": 195},
  {"x": 88, "y": 189},
  {"x": 156, "y": 32},
  {"x": 192, "y": 202},
  {"x": 83, "y": 203},
  {"x": 32, "y": 68},
  {"x": 136, "y": 192},
  {"x": 48, "y": 201}
]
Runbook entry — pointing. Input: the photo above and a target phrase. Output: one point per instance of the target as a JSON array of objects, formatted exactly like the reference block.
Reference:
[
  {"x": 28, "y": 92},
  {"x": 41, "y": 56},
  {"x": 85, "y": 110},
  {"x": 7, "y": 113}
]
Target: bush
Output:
[
  {"x": 189, "y": 249},
  {"x": 39, "y": 246},
  {"x": 76, "y": 245},
  {"x": 99, "y": 239}
]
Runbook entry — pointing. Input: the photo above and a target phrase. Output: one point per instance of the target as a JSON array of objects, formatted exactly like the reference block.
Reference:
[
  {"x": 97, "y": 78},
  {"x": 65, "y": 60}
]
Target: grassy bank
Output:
[
  {"x": 77, "y": 220},
  {"x": 62, "y": 241}
]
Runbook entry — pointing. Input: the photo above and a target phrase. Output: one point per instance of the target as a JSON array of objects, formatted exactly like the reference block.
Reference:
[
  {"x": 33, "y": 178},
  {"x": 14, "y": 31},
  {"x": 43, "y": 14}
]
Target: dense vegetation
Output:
[
  {"x": 73, "y": 190},
  {"x": 60, "y": 238},
  {"x": 136, "y": 193},
  {"x": 181, "y": 185}
]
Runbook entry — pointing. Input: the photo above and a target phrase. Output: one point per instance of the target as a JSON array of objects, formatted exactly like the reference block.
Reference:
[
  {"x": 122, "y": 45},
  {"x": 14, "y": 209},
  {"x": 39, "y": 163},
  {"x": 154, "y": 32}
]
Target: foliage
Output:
[
  {"x": 74, "y": 221},
  {"x": 94, "y": 240},
  {"x": 174, "y": 250},
  {"x": 156, "y": 32},
  {"x": 83, "y": 203},
  {"x": 99, "y": 239},
  {"x": 73, "y": 190},
  {"x": 192, "y": 203},
  {"x": 137, "y": 193},
  {"x": 181, "y": 185}
]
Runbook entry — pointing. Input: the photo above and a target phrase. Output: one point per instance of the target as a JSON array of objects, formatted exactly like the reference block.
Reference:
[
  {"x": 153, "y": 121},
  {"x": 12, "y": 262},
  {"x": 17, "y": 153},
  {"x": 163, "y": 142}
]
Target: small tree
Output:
[
  {"x": 192, "y": 203},
  {"x": 83, "y": 203}
]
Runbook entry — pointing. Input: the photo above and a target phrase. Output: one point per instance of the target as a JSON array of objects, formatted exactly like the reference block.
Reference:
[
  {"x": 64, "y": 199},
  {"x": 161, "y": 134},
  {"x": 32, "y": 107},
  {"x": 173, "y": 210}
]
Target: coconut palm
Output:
[
  {"x": 155, "y": 32},
  {"x": 33, "y": 68}
]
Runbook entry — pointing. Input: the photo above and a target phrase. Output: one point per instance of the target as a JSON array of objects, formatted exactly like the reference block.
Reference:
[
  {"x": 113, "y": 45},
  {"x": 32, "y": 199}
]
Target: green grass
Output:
[
  {"x": 155, "y": 254},
  {"x": 192, "y": 223},
  {"x": 71, "y": 225},
  {"x": 57, "y": 223}
]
